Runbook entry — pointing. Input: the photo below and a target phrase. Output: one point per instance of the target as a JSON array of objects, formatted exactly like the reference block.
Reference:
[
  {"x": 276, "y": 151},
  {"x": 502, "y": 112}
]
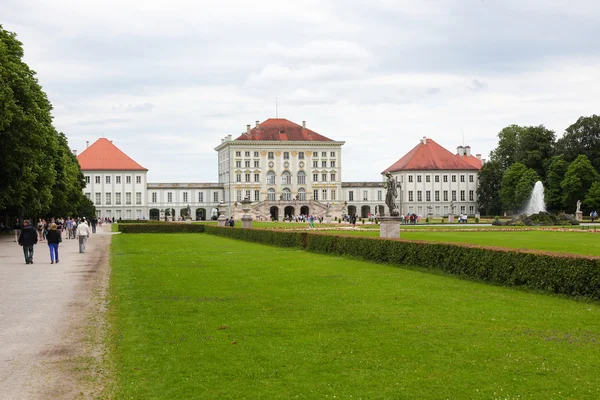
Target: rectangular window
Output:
[
  {"x": 154, "y": 197},
  {"x": 410, "y": 195},
  {"x": 428, "y": 195},
  {"x": 286, "y": 155},
  {"x": 324, "y": 194},
  {"x": 128, "y": 179},
  {"x": 471, "y": 195},
  {"x": 301, "y": 179},
  {"x": 169, "y": 197},
  {"x": 365, "y": 195},
  {"x": 351, "y": 195},
  {"x": 127, "y": 214},
  {"x": 138, "y": 197},
  {"x": 301, "y": 155},
  {"x": 270, "y": 178},
  {"x": 315, "y": 164},
  {"x": 324, "y": 154},
  {"x": 256, "y": 164},
  {"x": 107, "y": 198},
  {"x": 453, "y": 178},
  {"x": 87, "y": 179},
  {"x": 138, "y": 179},
  {"x": 200, "y": 197},
  {"x": 324, "y": 164},
  {"x": 247, "y": 195},
  {"x": 88, "y": 195},
  {"x": 333, "y": 177},
  {"x": 247, "y": 177},
  {"x": 427, "y": 178},
  {"x": 454, "y": 195},
  {"x": 238, "y": 164},
  {"x": 256, "y": 195},
  {"x": 333, "y": 196},
  {"x": 107, "y": 179},
  {"x": 445, "y": 178},
  {"x": 324, "y": 177},
  {"x": 247, "y": 154},
  {"x": 419, "y": 178},
  {"x": 332, "y": 154},
  {"x": 238, "y": 195},
  {"x": 437, "y": 195},
  {"x": 437, "y": 210},
  {"x": 256, "y": 177},
  {"x": 118, "y": 179},
  {"x": 445, "y": 195},
  {"x": 419, "y": 195},
  {"x": 256, "y": 154},
  {"x": 379, "y": 194},
  {"x": 437, "y": 179},
  {"x": 445, "y": 210},
  {"x": 315, "y": 154},
  {"x": 463, "y": 209},
  {"x": 462, "y": 178},
  {"x": 410, "y": 178},
  {"x": 238, "y": 177},
  {"x": 216, "y": 197},
  {"x": 471, "y": 179},
  {"x": 118, "y": 199},
  {"x": 185, "y": 197},
  {"x": 128, "y": 198},
  {"x": 238, "y": 153},
  {"x": 332, "y": 163},
  {"x": 271, "y": 155},
  {"x": 315, "y": 194},
  {"x": 462, "y": 195},
  {"x": 97, "y": 179},
  {"x": 471, "y": 210},
  {"x": 315, "y": 177},
  {"x": 247, "y": 163}
]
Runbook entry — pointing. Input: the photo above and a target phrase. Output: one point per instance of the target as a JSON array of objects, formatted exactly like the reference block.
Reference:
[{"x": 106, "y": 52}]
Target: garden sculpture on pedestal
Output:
[{"x": 392, "y": 192}]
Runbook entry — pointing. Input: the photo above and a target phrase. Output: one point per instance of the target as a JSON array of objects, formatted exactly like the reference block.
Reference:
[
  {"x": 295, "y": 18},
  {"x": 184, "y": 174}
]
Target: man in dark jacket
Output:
[{"x": 27, "y": 239}]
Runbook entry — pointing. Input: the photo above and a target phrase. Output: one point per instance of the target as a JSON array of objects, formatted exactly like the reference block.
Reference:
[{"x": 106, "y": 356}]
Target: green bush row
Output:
[
  {"x": 161, "y": 228},
  {"x": 265, "y": 236},
  {"x": 138, "y": 221}
]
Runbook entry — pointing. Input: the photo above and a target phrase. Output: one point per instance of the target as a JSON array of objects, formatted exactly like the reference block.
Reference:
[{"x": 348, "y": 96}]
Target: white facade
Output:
[{"x": 118, "y": 194}]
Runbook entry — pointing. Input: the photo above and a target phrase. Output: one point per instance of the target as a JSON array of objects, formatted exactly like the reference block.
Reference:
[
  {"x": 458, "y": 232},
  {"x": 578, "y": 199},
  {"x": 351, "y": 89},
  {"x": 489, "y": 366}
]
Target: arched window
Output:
[
  {"x": 286, "y": 178},
  {"x": 270, "y": 178},
  {"x": 301, "y": 178},
  {"x": 301, "y": 194},
  {"x": 271, "y": 194},
  {"x": 286, "y": 194}
]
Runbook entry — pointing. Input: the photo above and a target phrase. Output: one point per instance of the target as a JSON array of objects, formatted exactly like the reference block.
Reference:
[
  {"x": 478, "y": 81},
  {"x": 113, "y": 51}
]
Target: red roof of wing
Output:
[
  {"x": 474, "y": 161},
  {"x": 102, "y": 155},
  {"x": 429, "y": 156},
  {"x": 280, "y": 129}
]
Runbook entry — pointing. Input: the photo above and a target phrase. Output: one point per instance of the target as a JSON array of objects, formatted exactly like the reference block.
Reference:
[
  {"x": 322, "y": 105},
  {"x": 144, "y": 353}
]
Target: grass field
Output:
[
  {"x": 198, "y": 316},
  {"x": 556, "y": 241}
]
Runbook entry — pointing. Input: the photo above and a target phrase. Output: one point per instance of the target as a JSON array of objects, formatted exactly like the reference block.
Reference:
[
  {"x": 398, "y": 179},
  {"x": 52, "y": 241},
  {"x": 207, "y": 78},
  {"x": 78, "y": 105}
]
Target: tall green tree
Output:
[
  {"x": 578, "y": 180},
  {"x": 67, "y": 191},
  {"x": 508, "y": 143},
  {"x": 583, "y": 137},
  {"x": 488, "y": 191},
  {"x": 553, "y": 191},
  {"x": 535, "y": 148},
  {"x": 510, "y": 180},
  {"x": 592, "y": 198}
]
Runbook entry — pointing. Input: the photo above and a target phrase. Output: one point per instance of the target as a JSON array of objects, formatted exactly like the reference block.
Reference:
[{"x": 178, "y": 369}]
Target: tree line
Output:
[
  {"x": 568, "y": 167},
  {"x": 40, "y": 176}
]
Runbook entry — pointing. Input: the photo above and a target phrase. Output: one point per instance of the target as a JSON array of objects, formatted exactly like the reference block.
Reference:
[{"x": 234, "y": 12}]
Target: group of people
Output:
[
  {"x": 410, "y": 219},
  {"x": 51, "y": 232}
]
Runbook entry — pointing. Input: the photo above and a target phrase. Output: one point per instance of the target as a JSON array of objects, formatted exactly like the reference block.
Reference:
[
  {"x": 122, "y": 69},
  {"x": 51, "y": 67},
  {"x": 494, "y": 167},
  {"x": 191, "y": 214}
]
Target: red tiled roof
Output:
[
  {"x": 429, "y": 156},
  {"x": 102, "y": 155},
  {"x": 280, "y": 129},
  {"x": 474, "y": 161}
]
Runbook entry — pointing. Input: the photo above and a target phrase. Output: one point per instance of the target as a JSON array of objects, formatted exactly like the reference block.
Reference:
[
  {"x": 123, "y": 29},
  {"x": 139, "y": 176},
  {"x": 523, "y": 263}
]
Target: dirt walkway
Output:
[{"x": 51, "y": 319}]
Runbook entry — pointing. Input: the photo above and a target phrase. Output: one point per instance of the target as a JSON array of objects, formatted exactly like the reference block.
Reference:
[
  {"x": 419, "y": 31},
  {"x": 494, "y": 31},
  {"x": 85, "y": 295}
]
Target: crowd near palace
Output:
[{"x": 286, "y": 170}]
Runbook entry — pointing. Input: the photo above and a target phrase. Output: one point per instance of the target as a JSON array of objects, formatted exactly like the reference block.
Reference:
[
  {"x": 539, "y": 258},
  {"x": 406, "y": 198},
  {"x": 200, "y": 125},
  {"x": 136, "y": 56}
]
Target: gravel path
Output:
[{"x": 52, "y": 318}]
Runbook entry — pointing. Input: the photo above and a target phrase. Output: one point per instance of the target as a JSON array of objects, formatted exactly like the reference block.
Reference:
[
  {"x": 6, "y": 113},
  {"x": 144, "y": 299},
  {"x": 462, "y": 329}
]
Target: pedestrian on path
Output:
[
  {"x": 53, "y": 239},
  {"x": 83, "y": 233},
  {"x": 17, "y": 228},
  {"x": 28, "y": 238}
]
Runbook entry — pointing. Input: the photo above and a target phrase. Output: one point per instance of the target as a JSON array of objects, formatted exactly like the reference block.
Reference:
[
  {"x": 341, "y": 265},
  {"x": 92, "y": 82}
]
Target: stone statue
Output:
[
  {"x": 578, "y": 206},
  {"x": 327, "y": 210},
  {"x": 189, "y": 211},
  {"x": 452, "y": 207},
  {"x": 392, "y": 192}
]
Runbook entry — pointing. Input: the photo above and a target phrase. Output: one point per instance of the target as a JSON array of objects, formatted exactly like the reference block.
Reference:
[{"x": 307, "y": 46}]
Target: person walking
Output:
[
  {"x": 53, "y": 237},
  {"x": 17, "y": 228},
  {"x": 28, "y": 238},
  {"x": 40, "y": 229},
  {"x": 83, "y": 233}
]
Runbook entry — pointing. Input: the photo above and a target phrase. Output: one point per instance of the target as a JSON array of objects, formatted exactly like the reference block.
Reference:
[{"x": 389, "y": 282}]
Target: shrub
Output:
[
  {"x": 161, "y": 228},
  {"x": 265, "y": 236},
  {"x": 476, "y": 220},
  {"x": 363, "y": 220},
  {"x": 443, "y": 220},
  {"x": 427, "y": 220}
]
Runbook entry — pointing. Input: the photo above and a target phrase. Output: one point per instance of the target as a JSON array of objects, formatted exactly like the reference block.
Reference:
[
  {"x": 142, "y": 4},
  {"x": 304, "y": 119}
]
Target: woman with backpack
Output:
[{"x": 53, "y": 237}]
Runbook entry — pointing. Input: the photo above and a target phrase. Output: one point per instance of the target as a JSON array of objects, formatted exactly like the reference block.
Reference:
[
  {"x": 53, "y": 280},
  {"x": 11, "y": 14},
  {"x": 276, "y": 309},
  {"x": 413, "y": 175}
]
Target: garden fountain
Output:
[{"x": 536, "y": 201}]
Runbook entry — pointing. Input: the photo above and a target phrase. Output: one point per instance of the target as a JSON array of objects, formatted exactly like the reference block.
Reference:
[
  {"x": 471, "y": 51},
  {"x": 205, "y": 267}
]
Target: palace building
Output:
[{"x": 285, "y": 169}]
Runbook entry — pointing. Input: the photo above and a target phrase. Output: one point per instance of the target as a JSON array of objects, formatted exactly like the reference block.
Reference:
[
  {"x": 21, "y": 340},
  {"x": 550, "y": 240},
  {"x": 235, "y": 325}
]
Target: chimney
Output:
[
  {"x": 304, "y": 124},
  {"x": 248, "y": 129},
  {"x": 478, "y": 156},
  {"x": 468, "y": 151},
  {"x": 229, "y": 138},
  {"x": 223, "y": 140},
  {"x": 75, "y": 153},
  {"x": 460, "y": 151},
  {"x": 87, "y": 144},
  {"x": 424, "y": 140},
  {"x": 257, "y": 124}
]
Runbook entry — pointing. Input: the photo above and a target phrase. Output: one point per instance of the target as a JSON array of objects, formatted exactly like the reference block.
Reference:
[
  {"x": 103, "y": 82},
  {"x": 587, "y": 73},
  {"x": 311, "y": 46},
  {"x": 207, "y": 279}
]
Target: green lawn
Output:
[
  {"x": 557, "y": 241},
  {"x": 198, "y": 316}
]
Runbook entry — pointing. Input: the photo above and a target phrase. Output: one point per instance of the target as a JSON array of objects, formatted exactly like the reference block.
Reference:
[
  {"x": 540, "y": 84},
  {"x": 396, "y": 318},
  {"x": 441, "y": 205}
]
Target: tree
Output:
[
  {"x": 525, "y": 187},
  {"x": 592, "y": 198},
  {"x": 67, "y": 192},
  {"x": 555, "y": 174},
  {"x": 510, "y": 179},
  {"x": 583, "y": 137},
  {"x": 578, "y": 180},
  {"x": 508, "y": 142},
  {"x": 488, "y": 191},
  {"x": 535, "y": 147}
]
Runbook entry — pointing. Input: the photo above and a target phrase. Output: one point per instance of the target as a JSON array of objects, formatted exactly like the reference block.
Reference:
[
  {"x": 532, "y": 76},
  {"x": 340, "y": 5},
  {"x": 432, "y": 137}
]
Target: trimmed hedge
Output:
[
  {"x": 264, "y": 236},
  {"x": 161, "y": 228},
  {"x": 138, "y": 221}
]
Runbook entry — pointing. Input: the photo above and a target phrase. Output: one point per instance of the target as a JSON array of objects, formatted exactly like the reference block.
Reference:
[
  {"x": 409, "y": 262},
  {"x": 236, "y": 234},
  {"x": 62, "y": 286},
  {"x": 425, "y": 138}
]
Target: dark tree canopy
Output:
[
  {"x": 553, "y": 191},
  {"x": 488, "y": 191},
  {"x": 583, "y": 137},
  {"x": 578, "y": 180}
]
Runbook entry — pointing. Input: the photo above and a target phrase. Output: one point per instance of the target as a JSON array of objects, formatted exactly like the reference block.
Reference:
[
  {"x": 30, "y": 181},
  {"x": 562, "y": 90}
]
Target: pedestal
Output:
[
  {"x": 389, "y": 227},
  {"x": 221, "y": 221},
  {"x": 328, "y": 219},
  {"x": 450, "y": 218},
  {"x": 579, "y": 215},
  {"x": 246, "y": 222},
  {"x": 188, "y": 220}
]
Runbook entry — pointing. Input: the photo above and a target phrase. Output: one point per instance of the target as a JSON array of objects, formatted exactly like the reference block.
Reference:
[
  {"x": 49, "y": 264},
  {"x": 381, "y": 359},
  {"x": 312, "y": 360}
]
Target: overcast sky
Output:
[{"x": 166, "y": 80}]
